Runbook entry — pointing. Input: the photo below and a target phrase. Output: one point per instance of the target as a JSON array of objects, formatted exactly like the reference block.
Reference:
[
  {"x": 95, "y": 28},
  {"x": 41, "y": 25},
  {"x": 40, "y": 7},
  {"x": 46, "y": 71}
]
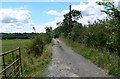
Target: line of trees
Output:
[
  {"x": 17, "y": 35},
  {"x": 102, "y": 34}
]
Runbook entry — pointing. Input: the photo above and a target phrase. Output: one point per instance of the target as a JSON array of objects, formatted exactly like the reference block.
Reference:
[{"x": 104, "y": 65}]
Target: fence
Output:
[{"x": 14, "y": 69}]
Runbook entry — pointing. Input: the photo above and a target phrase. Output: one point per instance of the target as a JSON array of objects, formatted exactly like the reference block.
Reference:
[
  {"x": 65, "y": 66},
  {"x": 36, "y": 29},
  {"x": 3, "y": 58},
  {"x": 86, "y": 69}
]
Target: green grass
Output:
[
  {"x": 35, "y": 66},
  {"x": 32, "y": 66},
  {"x": 8, "y": 45},
  {"x": 0, "y": 57},
  {"x": 102, "y": 59},
  {"x": 14, "y": 43}
]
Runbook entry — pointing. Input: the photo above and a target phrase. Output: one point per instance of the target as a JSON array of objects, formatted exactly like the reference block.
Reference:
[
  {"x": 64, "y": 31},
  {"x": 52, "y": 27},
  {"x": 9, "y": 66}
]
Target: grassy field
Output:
[
  {"x": 8, "y": 45},
  {"x": 32, "y": 66},
  {"x": 14, "y": 43},
  {"x": 0, "y": 57},
  {"x": 102, "y": 59}
]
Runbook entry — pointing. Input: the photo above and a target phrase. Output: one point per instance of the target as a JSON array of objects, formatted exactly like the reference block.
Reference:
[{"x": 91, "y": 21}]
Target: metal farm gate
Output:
[{"x": 14, "y": 68}]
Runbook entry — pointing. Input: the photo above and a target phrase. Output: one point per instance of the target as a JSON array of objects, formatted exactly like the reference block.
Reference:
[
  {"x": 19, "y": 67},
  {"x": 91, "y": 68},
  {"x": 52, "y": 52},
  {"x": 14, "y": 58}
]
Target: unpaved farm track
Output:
[{"x": 66, "y": 63}]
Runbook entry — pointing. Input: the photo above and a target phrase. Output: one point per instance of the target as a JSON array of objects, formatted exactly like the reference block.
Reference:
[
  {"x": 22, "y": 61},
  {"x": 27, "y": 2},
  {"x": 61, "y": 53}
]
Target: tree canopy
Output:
[{"x": 102, "y": 34}]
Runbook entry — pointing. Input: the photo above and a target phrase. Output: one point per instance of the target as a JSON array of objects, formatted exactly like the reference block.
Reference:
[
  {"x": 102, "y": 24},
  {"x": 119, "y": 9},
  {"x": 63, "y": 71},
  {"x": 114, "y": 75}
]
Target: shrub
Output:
[{"x": 37, "y": 45}]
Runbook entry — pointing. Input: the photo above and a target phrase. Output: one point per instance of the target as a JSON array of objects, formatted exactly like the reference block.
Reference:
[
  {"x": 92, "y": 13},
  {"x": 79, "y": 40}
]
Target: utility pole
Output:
[{"x": 70, "y": 17}]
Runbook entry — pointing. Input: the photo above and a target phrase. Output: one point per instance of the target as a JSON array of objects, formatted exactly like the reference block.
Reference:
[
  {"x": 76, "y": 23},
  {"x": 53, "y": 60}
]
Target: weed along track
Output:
[{"x": 66, "y": 63}]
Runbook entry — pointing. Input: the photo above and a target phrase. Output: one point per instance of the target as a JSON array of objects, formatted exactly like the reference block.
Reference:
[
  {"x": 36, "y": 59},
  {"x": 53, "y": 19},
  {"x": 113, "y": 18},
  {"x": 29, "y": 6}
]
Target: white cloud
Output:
[
  {"x": 13, "y": 20},
  {"x": 117, "y": 2},
  {"x": 55, "y": 13},
  {"x": 64, "y": 12},
  {"x": 41, "y": 27},
  {"x": 59, "y": 18},
  {"x": 10, "y": 15},
  {"x": 90, "y": 11}
]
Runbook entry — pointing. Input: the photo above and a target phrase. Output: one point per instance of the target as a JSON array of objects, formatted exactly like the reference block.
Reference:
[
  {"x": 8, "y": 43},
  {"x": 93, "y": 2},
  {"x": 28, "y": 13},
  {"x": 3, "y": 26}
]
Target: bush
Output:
[
  {"x": 47, "y": 39},
  {"x": 37, "y": 45}
]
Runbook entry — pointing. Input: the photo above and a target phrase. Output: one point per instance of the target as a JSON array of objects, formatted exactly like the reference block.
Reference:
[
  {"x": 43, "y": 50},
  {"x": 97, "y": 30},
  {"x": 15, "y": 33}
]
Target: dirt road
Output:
[{"x": 66, "y": 63}]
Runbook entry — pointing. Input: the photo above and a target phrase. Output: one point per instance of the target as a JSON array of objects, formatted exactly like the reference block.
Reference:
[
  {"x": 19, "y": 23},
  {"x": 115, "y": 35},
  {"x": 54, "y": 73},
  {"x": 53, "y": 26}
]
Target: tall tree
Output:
[
  {"x": 113, "y": 24},
  {"x": 49, "y": 33},
  {"x": 75, "y": 15}
]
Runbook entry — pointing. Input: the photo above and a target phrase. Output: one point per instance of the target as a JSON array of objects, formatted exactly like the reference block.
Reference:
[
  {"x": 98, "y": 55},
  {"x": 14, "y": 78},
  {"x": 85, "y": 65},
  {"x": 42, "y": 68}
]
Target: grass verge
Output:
[
  {"x": 35, "y": 66},
  {"x": 105, "y": 60},
  {"x": 32, "y": 66}
]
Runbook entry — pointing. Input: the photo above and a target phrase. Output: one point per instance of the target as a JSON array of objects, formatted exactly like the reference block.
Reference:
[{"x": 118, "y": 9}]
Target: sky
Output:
[{"x": 20, "y": 17}]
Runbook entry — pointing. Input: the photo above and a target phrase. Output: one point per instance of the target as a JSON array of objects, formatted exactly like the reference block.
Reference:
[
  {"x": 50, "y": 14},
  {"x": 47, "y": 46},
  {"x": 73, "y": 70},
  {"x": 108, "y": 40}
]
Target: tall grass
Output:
[
  {"x": 35, "y": 66},
  {"x": 105, "y": 60},
  {"x": 32, "y": 66},
  {"x": 0, "y": 57}
]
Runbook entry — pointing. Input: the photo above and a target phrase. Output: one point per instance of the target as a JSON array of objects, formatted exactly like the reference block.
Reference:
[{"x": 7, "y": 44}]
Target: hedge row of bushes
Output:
[{"x": 38, "y": 42}]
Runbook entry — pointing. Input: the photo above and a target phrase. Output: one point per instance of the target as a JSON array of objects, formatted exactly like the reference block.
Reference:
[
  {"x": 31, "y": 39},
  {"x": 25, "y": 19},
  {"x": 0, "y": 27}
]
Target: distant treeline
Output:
[{"x": 17, "y": 35}]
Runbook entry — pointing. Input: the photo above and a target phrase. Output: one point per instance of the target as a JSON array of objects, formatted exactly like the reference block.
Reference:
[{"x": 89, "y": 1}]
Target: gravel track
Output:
[{"x": 66, "y": 63}]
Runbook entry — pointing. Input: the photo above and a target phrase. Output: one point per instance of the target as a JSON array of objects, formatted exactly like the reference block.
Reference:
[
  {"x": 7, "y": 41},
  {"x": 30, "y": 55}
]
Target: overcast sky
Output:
[{"x": 22, "y": 16}]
